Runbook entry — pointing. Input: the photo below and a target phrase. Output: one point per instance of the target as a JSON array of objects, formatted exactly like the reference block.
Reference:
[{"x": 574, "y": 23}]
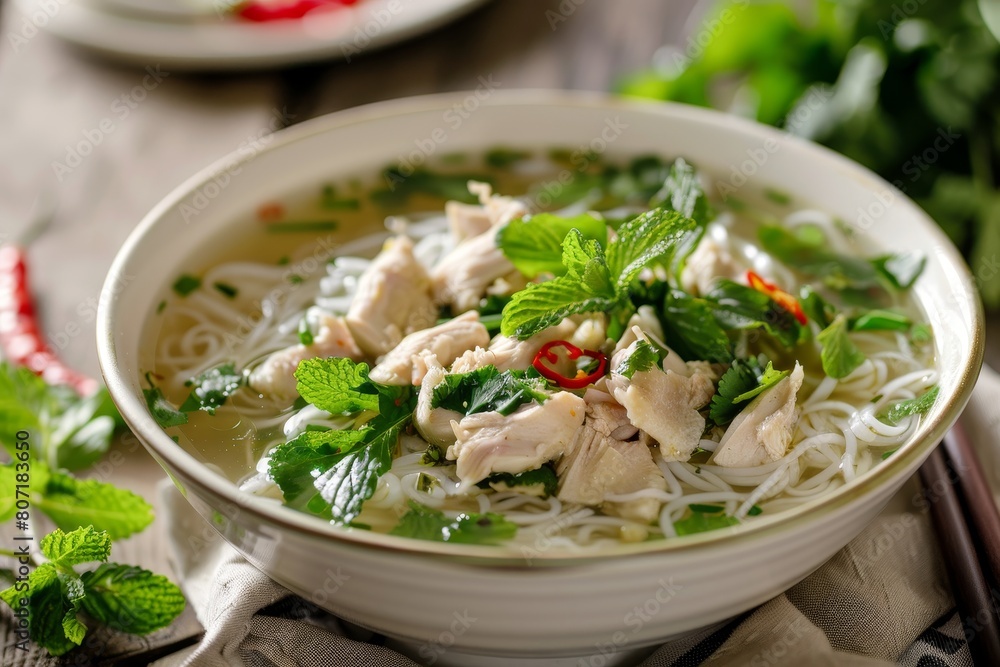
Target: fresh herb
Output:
[
  {"x": 914, "y": 406},
  {"x": 487, "y": 389},
  {"x": 424, "y": 523},
  {"x": 881, "y": 320},
  {"x": 160, "y": 307},
  {"x": 68, "y": 431},
  {"x": 211, "y": 389},
  {"x": 706, "y": 509},
  {"x": 692, "y": 329},
  {"x": 305, "y": 334},
  {"x": 330, "y": 201},
  {"x": 742, "y": 381},
  {"x": 807, "y": 249},
  {"x": 682, "y": 192},
  {"x": 400, "y": 187},
  {"x": 815, "y": 307},
  {"x": 302, "y": 226},
  {"x": 737, "y": 307},
  {"x": 123, "y": 597},
  {"x": 901, "y": 270},
  {"x": 886, "y": 454},
  {"x": 186, "y": 284},
  {"x": 755, "y": 510},
  {"x": 921, "y": 333},
  {"x": 434, "y": 455},
  {"x": 777, "y": 196},
  {"x": 296, "y": 279},
  {"x": 596, "y": 280},
  {"x": 840, "y": 356},
  {"x": 165, "y": 414},
  {"x": 504, "y": 158},
  {"x": 699, "y": 522},
  {"x": 332, "y": 473},
  {"x": 644, "y": 357},
  {"x": 226, "y": 289},
  {"x": 534, "y": 243},
  {"x": 542, "y": 479}
]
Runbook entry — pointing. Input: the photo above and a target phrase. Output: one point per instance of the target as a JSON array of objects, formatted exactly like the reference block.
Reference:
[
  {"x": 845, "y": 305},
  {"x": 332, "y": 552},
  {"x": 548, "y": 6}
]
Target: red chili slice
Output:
[
  {"x": 581, "y": 379},
  {"x": 267, "y": 11},
  {"x": 778, "y": 295}
]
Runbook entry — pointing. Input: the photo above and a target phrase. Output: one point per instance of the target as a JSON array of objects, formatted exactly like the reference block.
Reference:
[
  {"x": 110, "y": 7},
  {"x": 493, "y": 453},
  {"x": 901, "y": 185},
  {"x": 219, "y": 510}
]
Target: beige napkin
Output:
[{"x": 882, "y": 600}]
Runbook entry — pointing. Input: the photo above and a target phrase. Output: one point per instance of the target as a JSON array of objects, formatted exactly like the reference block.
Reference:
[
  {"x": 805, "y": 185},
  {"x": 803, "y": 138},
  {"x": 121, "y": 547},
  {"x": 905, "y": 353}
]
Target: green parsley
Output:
[
  {"x": 743, "y": 380},
  {"x": 123, "y": 597},
  {"x": 643, "y": 358}
]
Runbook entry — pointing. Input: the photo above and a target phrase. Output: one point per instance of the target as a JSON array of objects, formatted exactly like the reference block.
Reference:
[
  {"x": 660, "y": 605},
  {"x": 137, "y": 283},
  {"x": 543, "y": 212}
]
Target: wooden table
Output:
[{"x": 52, "y": 94}]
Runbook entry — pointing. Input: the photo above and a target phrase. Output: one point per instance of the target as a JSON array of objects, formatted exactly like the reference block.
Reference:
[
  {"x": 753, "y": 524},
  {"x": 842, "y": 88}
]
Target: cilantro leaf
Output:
[
  {"x": 131, "y": 599},
  {"x": 840, "y": 355},
  {"x": 644, "y": 357},
  {"x": 487, "y": 389},
  {"x": 336, "y": 385},
  {"x": 424, "y": 523},
  {"x": 691, "y": 328},
  {"x": 542, "y": 479},
  {"x": 534, "y": 244},
  {"x": 914, "y": 406},
  {"x": 212, "y": 388},
  {"x": 765, "y": 380},
  {"x": 739, "y": 378},
  {"x": 701, "y": 522},
  {"x": 83, "y": 545},
  {"x": 72, "y": 503}
]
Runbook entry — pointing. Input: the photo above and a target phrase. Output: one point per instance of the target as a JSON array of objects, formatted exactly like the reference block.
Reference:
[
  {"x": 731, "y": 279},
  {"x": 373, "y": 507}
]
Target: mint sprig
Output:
[
  {"x": 123, "y": 597},
  {"x": 424, "y": 523},
  {"x": 596, "y": 279},
  {"x": 534, "y": 244}
]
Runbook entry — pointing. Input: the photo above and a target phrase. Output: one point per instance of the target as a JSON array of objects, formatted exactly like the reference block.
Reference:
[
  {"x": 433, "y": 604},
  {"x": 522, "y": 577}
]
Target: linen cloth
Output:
[{"x": 884, "y": 599}]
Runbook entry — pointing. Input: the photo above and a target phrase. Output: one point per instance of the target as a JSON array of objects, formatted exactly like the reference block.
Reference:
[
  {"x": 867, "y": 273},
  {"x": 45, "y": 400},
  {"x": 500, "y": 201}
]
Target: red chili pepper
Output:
[
  {"x": 778, "y": 295},
  {"x": 573, "y": 352},
  {"x": 20, "y": 338},
  {"x": 296, "y": 9}
]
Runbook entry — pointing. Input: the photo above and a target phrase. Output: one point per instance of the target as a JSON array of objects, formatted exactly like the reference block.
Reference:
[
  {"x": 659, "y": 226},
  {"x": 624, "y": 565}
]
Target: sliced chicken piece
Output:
[
  {"x": 591, "y": 333},
  {"x": 434, "y": 424},
  {"x": 644, "y": 320},
  {"x": 406, "y": 363},
  {"x": 275, "y": 377},
  {"x": 610, "y": 419},
  {"x": 393, "y": 299},
  {"x": 710, "y": 261},
  {"x": 489, "y": 442},
  {"x": 499, "y": 209},
  {"x": 635, "y": 333},
  {"x": 764, "y": 429},
  {"x": 598, "y": 466},
  {"x": 466, "y": 220},
  {"x": 665, "y": 405},
  {"x": 510, "y": 353},
  {"x": 462, "y": 276}
]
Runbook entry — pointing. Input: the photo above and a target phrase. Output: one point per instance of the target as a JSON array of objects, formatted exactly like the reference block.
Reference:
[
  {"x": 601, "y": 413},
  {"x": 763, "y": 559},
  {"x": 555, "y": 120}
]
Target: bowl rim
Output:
[{"x": 185, "y": 465}]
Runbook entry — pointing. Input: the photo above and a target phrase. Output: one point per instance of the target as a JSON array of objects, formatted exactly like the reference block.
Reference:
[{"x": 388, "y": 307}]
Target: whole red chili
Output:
[
  {"x": 778, "y": 295},
  {"x": 581, "y": 379},
  {"x": 20, "y": 338},
  {"x": 296, "y": 9}
]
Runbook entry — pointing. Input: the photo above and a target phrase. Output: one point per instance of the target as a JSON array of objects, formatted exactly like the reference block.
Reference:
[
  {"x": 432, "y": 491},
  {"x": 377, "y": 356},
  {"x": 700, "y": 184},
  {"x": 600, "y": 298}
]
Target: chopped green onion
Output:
[{"x": 186, "y": 284}]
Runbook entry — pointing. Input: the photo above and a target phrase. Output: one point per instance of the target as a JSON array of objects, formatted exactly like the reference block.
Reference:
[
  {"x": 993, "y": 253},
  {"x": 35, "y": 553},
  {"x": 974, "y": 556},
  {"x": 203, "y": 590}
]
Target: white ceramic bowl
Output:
[{"x": 544, "y": 605}]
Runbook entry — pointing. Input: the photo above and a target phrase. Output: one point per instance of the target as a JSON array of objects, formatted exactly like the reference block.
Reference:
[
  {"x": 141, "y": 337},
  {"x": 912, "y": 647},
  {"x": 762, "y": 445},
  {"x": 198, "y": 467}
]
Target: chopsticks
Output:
[{"x": 967, "y": 523}]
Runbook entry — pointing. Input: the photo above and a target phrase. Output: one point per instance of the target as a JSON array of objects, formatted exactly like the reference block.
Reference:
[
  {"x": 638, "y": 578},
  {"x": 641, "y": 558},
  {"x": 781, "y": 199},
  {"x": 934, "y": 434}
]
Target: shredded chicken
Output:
[
  {"x": 764, "y": 429},
  {"x": 489, "y": 442},
  {"x": 599, "y": 465},
  {"x": 275, "y": 377},
  {"x": 665, "y": 405},
  {"x": 434, "y": 424},
  {"x": 499, "y": 209},
  {"x": 506, "y": 353},
  {"x": 406, "y": 363},
  {"x": 393, "y": 299},
  {"x": 466, "y": 220}
]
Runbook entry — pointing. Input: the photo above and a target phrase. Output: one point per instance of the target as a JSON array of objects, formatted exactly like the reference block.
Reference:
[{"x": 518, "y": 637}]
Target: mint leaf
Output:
[
  {"x": 644, "y": 357},
  {"x": 72, "y": 503},
  {"x": 700, "y": 522},
  {"x": 881, "y": 320},
  {"x": 682, "y": 192},
  {"x": 83, "y": 545},
  {"x": 48, "y": 607},
  {"x": 914, "y": 406},
  {"x": 643, "y": 241},
  {"x": 487, "y": 389},
  {"x": 212, "y": 388},
  {"x": 691, "y": 329},
  {"x": 902, "y": 269},
  {"x": 131, "y": 599},
  {"x": 534, "y": 244},
  {"x": 840, "y": 355},
  {"x": 336, "y": 385},
  {"x": 739, "y": 378},
  {"x": 543, "y": 478},
  {"x": 332, "y": 473},
  {"x": 424, "y": 523},
  {"x": 765, "y": 380}
]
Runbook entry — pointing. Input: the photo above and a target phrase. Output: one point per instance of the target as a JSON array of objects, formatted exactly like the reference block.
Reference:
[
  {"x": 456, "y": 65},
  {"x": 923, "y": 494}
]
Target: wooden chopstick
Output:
[
  {"x": 977, "y": 497},
  {"x": 959, "y": 541}
]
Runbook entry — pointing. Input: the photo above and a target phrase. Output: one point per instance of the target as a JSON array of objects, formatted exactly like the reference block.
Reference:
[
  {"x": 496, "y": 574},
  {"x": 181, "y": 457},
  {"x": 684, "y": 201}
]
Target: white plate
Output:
[{"x": 219, "y": 40}]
